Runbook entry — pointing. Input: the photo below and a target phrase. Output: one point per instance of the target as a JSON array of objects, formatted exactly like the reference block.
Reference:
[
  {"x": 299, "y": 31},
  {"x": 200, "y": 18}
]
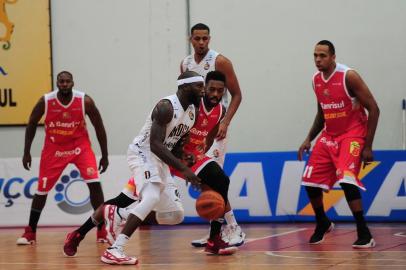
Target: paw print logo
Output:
[{"x": 72, "y": 195}]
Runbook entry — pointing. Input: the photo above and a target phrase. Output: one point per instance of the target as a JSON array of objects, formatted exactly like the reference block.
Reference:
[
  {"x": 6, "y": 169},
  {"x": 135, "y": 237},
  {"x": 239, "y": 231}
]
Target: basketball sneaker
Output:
[
  {"x": 71, "y": 244},
  {"x": 102, "y": 234},
  {"x": 320, "y": 231},
  {"x": 200, "y": 242},
  {"x": 233, "y": 235},
  {"x": 28, "y": 237},
  {"x": 217, "y": 246},
  {"x": 365, "y": 239},
  {"x": 112, "y": 220},
  {"x": 116, "y": 255}
]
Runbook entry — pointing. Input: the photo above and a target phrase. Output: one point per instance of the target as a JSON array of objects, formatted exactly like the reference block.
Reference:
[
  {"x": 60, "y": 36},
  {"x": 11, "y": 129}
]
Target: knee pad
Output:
[
  {"x": 170, "y": 218},
  {"x": 313, "y": 192},
  {"x": 121, "y": 201},
  {"x": 351, "y": 192}
]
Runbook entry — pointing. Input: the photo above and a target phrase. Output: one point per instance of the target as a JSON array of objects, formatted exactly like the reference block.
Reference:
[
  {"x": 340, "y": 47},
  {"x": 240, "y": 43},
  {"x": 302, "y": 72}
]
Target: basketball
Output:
[{"x": 210, "y": 205}]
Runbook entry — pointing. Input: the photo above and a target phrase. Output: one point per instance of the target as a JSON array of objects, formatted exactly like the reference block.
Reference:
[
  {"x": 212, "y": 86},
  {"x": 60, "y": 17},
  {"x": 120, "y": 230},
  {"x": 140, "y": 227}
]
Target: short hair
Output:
[
  {"x": 330, "y": 45},
  {"x": 199, "y": 26},
  {"x": 215, "y": 75},
  {"x": 64, "y": 72}
]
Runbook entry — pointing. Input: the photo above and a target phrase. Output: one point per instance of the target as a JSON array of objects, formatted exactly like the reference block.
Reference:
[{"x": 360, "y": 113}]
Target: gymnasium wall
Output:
[{"x": 126, "y": 54}]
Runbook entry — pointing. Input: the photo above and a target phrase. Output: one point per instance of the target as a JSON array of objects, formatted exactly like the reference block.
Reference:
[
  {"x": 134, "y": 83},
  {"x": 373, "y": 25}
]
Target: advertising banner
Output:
[
  {"x": 265, "y": 187},
  {"x": 25, "y": 58}
]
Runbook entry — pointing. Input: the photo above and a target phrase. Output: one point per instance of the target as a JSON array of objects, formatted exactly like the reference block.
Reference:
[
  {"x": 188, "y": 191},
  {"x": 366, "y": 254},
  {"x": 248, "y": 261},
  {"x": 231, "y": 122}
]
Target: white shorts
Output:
[
  {"x": 146, "y": 168},
  {"x": 218, "y": 151}
]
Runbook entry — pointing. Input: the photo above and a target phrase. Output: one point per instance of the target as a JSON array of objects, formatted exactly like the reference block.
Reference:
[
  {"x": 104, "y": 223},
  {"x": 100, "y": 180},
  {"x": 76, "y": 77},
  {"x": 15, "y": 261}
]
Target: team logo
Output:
[
  {"x": 72, "y": 194},
  {"x": 90, "y": 171},
  {"x": 355, "y": 148},
  {"x": 66, "y": 115},
  {"x": 326, "y": 92},
  {"x": 9, "y": 26},
  {"x": 191, "y": 115},
  {"x": 205, "y": 122},
  {"x": 51, "y": 124},
  {"x": 206, "y": 66}
]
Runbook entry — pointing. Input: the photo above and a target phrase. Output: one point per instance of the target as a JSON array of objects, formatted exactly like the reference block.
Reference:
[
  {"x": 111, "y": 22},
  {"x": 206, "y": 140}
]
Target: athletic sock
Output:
[
  {"x": 215, "y": 227},
  {"x": 34, "y": 217},
  {"x": 87, "y": 226},
  {"x": 320, "y": 214},
  {"x": 230, "y": 218}
]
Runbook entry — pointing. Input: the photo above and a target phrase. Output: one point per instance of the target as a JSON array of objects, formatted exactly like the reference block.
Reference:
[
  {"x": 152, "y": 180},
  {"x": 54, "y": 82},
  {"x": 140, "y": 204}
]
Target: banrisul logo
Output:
[{"x": 72, "y": 194}]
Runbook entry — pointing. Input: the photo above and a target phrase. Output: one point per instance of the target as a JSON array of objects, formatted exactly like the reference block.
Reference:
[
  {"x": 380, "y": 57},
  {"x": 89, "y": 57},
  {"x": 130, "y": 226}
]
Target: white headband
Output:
[{"x": 190, "y": 80}]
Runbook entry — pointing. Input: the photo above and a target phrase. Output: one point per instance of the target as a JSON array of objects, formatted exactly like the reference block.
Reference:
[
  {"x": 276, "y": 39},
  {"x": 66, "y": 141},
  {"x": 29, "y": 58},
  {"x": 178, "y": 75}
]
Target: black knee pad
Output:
[
  {"x": 213, "y": 176},
  {"x": 121, "y": 201},
  {"x": 313, "y": 192},
  {"x": 351, "y": 192}
]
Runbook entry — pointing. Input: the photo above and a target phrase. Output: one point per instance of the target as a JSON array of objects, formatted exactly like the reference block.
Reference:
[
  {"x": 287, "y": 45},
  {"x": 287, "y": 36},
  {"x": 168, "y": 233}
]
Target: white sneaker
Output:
[
  {"x": 200, "y": 242},
  {"x": 114, "y": 255},
  {"x": 112, "y": 221},
  {"x": 233, "y": 235}
]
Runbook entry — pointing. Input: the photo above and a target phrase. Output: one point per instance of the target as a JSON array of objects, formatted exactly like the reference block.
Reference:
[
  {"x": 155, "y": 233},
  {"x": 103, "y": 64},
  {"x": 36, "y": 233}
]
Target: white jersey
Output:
[
  {"x": 207, "y": 64},
  {"x": 182, "y": 121}
]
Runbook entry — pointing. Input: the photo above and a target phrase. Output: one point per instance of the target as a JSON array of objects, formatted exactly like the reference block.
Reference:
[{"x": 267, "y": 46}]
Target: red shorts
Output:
[
  {"x": 55, "y": 158},
  {"x": 201, "y": 162},
  {"x": 334, "y": 159}
]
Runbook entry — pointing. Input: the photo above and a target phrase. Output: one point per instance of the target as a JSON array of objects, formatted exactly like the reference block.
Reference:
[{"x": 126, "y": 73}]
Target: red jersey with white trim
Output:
[
  {"x": 65, "y": 123},
  {"x": 342, "y": 112},
  {"x": 205, "y": 123}
]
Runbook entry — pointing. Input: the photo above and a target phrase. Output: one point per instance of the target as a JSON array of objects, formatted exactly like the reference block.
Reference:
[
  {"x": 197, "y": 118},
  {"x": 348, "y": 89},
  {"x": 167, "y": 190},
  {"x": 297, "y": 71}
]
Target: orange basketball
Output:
[{"x": 210, "y": 205}]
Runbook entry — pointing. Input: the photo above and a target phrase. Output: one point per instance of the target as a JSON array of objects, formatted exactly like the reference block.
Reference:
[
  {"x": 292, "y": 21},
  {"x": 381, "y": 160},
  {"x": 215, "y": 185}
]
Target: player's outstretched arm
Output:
[
  {"x": 36, "y": 114},
  {"x": 95, "y": 117},
  {"x": 161, "y": 116},
  {"x": 225, "y": 66},
  {"x": 317, "y": 126},
  {"x": 358, "y": 88}
]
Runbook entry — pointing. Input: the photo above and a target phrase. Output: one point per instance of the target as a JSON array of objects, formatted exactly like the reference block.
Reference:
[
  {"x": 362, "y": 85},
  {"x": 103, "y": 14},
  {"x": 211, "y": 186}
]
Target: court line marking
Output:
[
  {"x": 275, "y": 235},
  {"x": 401, "y": 234},
  {"x": 270, "y": 253}
]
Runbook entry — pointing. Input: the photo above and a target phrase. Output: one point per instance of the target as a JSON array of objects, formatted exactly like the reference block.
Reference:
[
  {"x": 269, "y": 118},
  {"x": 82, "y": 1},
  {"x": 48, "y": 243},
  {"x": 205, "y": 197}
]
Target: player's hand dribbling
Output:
[
  {"x": 103, "y": 164},
  {"x": 27, "y": 161},
  {"x": 191, "y": 178},
  {"x": 305, "y": 147},
  {"x": 367, "y": 156}
]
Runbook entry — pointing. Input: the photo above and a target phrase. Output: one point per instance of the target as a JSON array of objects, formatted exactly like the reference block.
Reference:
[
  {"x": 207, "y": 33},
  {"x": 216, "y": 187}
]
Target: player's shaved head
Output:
[{"x": 64, "y": 73}]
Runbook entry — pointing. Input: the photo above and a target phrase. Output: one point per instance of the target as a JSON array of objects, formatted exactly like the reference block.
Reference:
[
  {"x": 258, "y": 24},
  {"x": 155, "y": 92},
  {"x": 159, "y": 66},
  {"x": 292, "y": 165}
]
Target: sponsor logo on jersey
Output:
[
  {"x": 355, "y": 148},
  {"x": 332, "y": 105},
  {"x": 205, "y": 122},
  {"x": 326, "y": 92},
  {"x": 206, "y": 66},
  {"x": 68, "y": 153},
  {"x": 90, "y": 171},
  {"x": 66, "y": 115}
]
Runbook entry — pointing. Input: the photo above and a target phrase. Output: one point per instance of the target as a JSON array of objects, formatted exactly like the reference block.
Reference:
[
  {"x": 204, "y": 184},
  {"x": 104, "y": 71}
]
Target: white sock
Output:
[
  {"x": 121, "y": 241},
  {"x": 230, "y": 218}
]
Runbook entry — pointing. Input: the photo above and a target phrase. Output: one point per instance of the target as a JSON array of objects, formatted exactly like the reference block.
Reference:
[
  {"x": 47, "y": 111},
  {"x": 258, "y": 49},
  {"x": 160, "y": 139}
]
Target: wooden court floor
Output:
[{"x": 268, "y": 246}]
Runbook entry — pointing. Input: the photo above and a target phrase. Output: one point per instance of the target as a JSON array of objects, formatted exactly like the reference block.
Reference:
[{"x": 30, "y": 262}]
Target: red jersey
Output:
[
  {"x": 205, "y": 123},
  {"x": 65, "y": 123},
  {"x": 342, "y": 112}
]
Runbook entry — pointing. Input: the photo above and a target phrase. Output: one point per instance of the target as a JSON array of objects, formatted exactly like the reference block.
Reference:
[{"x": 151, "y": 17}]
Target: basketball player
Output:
[
  {"x": 192, "y": 151},
  {"x": 202, "y": 61},
  {"x": 345, "y": 141},
  {"x": 149, "y": 158},
  {"x": 66, "y": 141}
]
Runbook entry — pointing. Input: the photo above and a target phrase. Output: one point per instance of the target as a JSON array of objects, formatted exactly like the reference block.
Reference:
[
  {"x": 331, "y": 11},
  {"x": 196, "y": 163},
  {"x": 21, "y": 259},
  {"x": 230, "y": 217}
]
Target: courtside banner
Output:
[
  {"x": 265, "y": 187},
  {"x": 25, "y": 58}
]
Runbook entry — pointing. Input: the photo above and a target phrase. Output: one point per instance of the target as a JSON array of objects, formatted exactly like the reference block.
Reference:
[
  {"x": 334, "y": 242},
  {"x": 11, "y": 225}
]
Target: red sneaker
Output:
[
  {"x": 71, "y": 244},
  {"x": 28, "y": 237},
  {"x": 217, "y": 246},
  {"x": 102, "y": 235}
]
